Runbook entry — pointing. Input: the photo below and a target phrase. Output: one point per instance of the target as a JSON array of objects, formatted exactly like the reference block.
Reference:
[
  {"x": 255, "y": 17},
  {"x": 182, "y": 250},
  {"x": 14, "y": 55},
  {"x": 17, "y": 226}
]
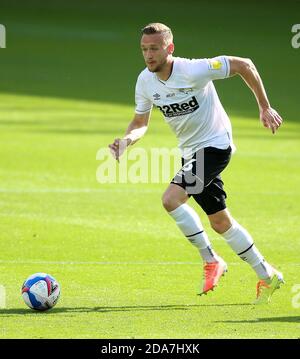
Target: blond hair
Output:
[{"x": 158, "y": 28}]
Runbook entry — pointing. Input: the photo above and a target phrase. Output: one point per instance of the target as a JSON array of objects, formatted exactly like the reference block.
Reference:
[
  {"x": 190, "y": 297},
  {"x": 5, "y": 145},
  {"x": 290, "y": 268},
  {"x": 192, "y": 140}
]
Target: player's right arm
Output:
[
  {"x": 135, "y": 130},
  {"x": 138, "y": 126}
]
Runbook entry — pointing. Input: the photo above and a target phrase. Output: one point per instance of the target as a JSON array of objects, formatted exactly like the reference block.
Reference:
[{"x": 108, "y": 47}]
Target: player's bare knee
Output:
[
  {"x": 168, "y": 202},
  {"x": 220, "y": 225}
]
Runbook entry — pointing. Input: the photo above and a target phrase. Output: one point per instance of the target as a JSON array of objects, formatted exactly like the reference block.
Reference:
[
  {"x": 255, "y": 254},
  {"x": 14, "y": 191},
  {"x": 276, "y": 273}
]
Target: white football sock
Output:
[
  {"x": 189, "y": 222},
  {"x": 242, "y": 244}
]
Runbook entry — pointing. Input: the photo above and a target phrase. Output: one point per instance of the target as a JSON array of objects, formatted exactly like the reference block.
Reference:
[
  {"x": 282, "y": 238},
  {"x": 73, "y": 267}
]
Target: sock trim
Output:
[
  {"x": 246, "y": 250},
  {"x": 191, "y": 235}
]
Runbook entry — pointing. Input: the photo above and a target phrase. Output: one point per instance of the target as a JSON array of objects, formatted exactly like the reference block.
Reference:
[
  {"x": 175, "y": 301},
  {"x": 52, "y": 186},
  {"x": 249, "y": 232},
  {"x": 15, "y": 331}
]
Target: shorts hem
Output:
[{"x": 215, "y": 210}]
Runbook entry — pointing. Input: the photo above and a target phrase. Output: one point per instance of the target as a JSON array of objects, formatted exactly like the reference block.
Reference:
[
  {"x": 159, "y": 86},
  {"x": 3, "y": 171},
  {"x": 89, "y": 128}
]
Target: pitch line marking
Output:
[{"x": 114, "y": 263}]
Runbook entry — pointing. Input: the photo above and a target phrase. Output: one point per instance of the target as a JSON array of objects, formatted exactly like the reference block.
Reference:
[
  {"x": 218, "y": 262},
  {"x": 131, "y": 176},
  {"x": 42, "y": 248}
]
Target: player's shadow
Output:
[
  {"x": 25, "y": 311},
  {"x": 294, "y": 319}
]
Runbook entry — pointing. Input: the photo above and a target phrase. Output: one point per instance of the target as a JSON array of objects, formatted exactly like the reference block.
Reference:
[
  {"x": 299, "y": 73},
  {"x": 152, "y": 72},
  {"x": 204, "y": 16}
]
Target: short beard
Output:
[{"x": 158, "y": 68}]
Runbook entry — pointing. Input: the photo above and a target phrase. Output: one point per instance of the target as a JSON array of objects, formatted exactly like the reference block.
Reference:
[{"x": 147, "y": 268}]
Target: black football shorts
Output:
[{"x": 200, "y": 176}]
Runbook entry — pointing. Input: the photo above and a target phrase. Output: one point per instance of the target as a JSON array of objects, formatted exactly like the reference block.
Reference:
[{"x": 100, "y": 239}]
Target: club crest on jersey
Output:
[
  {"x": 179, "y": 109},
  {"x": 186, "y": 90},
  {"x": 156, "y": 96}
]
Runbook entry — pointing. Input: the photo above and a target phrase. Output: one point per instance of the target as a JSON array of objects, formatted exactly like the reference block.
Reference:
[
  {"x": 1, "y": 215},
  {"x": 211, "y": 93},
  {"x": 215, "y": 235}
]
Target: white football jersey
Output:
[{"x": 189, "y": 102}]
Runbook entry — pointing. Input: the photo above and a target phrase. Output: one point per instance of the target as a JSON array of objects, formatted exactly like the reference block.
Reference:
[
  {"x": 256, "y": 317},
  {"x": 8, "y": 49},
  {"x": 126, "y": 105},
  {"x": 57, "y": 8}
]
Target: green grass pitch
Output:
[{"x": 66, "y": 90}]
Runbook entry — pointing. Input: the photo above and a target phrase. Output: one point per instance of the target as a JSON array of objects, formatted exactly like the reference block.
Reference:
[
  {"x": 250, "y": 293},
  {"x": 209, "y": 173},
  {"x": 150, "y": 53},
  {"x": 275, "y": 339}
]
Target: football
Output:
[{"x": 40, "y": 291}]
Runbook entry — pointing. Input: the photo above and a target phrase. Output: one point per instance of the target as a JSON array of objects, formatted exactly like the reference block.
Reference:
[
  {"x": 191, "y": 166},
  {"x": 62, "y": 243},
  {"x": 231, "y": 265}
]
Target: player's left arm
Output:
[{"x": 247, "y": 70}]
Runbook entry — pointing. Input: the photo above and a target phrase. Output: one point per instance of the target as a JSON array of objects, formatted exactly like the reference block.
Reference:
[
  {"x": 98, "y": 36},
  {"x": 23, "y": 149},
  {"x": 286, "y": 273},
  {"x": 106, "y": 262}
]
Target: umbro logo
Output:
[{"x": 156, "y": 96}]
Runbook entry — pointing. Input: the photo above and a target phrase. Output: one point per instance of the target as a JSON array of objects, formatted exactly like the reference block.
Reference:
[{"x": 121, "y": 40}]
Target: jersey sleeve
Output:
[
  {"x": 205, "y": 70},
  {"x": 142, "y": 101}
]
